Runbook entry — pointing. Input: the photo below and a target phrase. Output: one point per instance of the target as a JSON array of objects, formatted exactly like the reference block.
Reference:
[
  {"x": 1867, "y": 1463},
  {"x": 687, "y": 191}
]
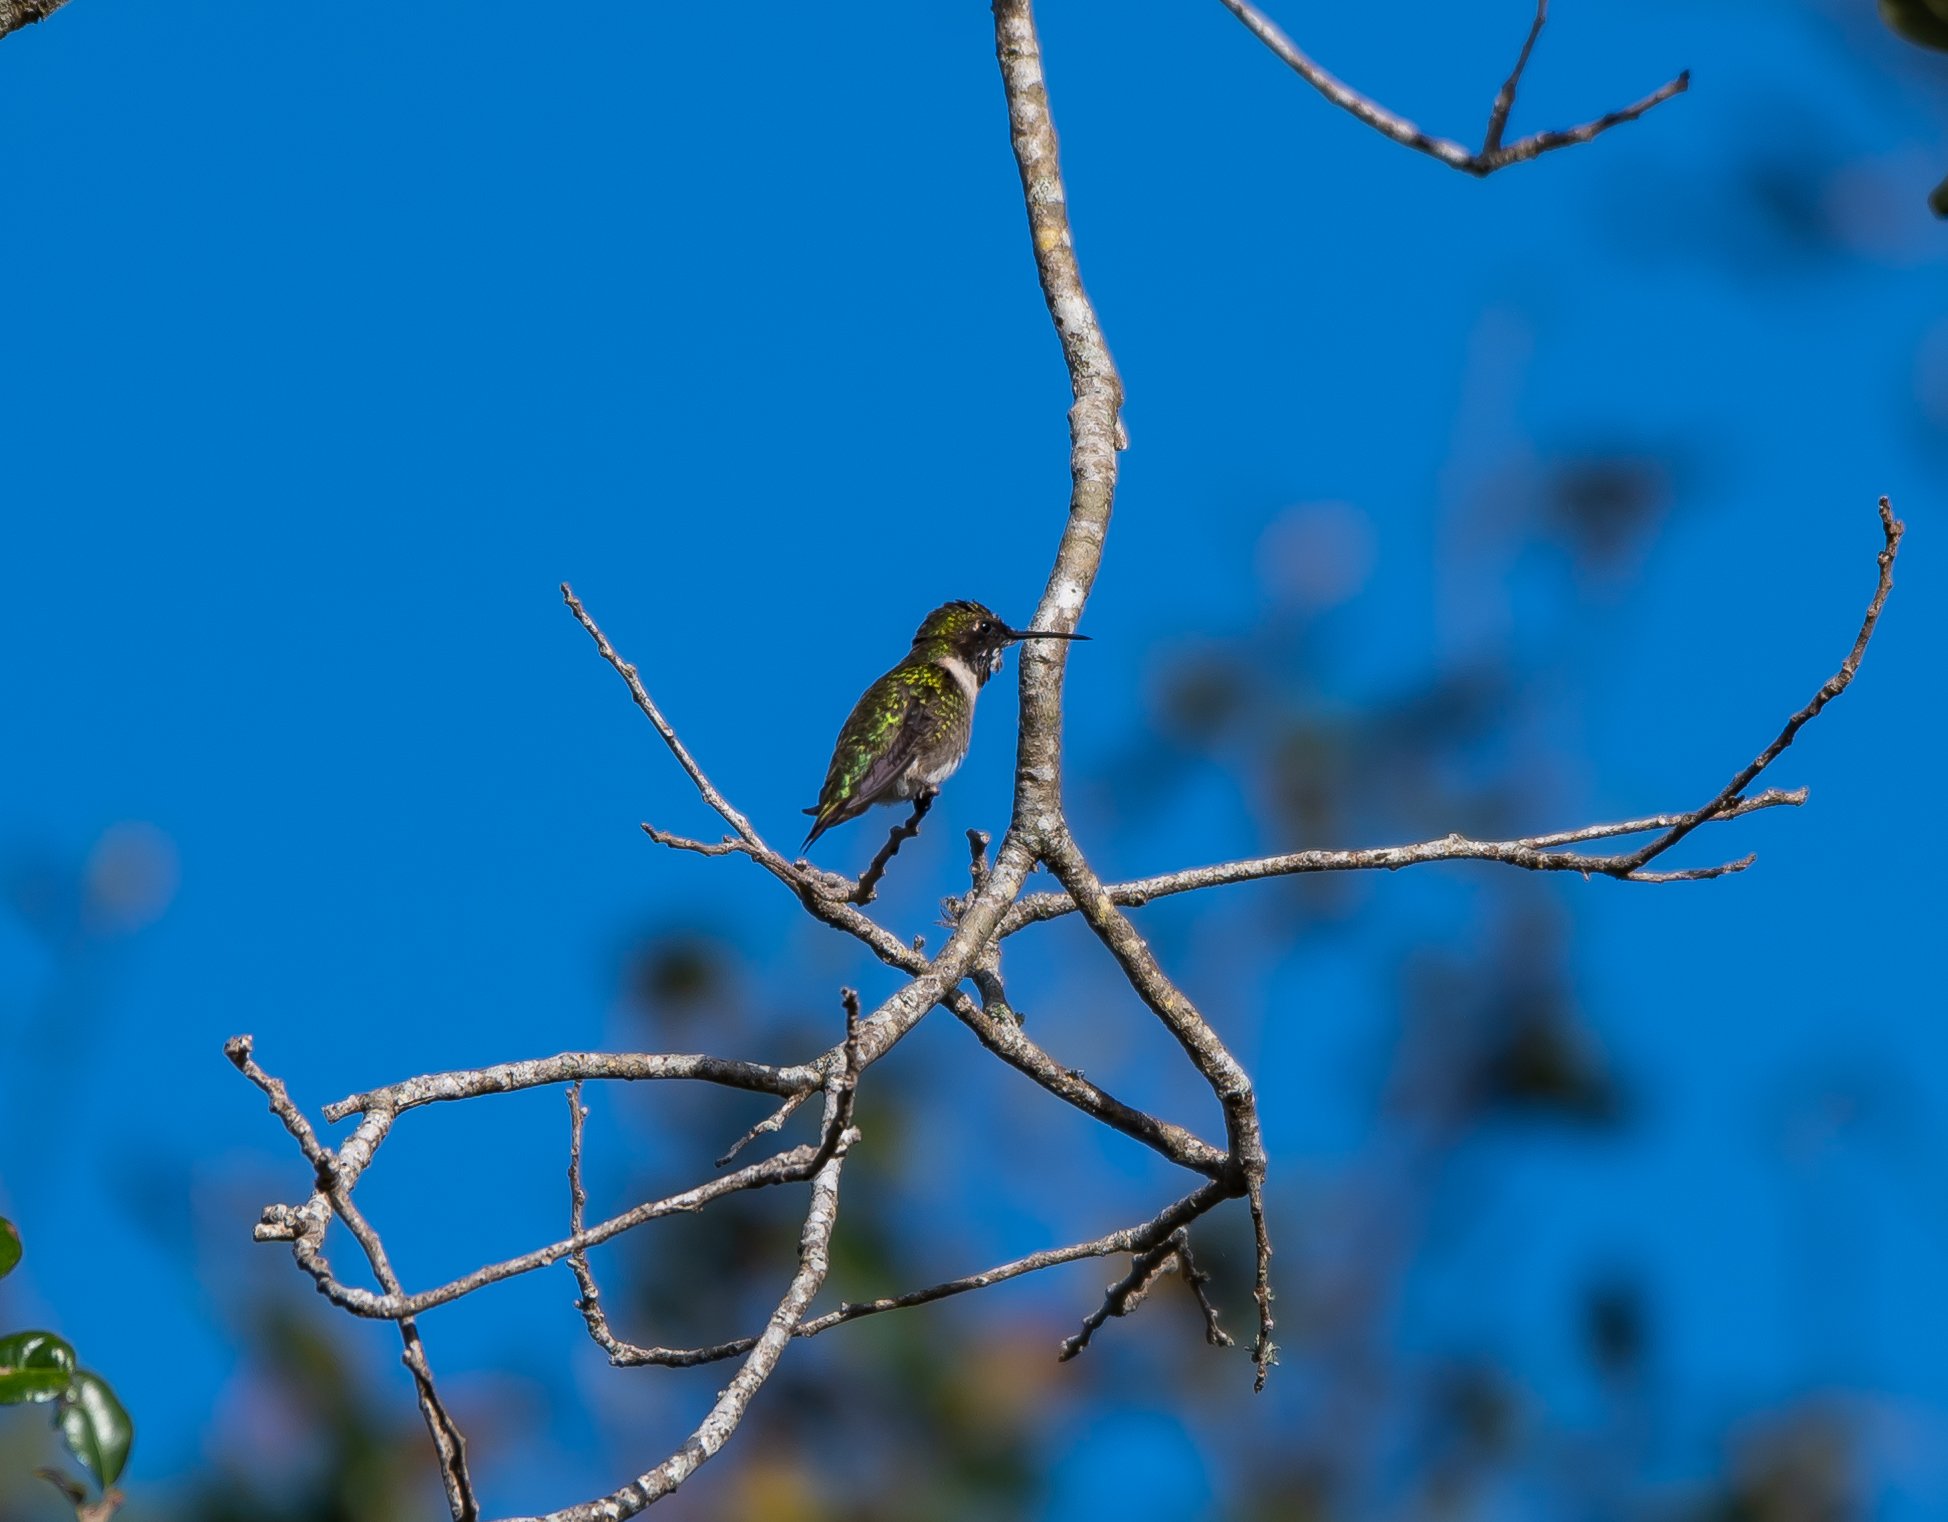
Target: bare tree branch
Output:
[
  {"x": 654, "y": 714},
  {"x": 1200, "y": 1042},
  {"x": 791, "y": 1167},
  {"x": 1131, "y": 1239},
  {"x": 1492, "y": 155},
  {"x": 1540, "y": 853},
  {"x": 576, "y": 1067},
  {"x": 1891, "y": 531},
  {"x": 335, "y": 1190},
  {"x": 814, "y": 1262},
  {"x": 1195, "y": 1280},
  {"x": 14, "y": 14},
  {"x": 1537, "y": 853},
  {"x": 1505, "y": 97},
  {"x": 876, "y": 869}
]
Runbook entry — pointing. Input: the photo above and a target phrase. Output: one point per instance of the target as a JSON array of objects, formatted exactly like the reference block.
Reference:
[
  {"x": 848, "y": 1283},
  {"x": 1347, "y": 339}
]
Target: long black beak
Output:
[{"x": 1017, "y": 634}]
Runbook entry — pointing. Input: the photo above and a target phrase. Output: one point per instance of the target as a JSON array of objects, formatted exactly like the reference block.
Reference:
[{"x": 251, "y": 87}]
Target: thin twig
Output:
[
  {"x": 869, "y": 879},
  {"x": 1505, "y": 97},
  {"x": 1538, "y": 143},
  {"x": 589, "y": 1302},
  {"x": 1129, "y": 1239},
  {"x": 448, "y": 1442},
  {"x": 1120, "y": 1299},
  {"x": 1264, "y": 1352},
  {"x": 1891, "y": 531},
  {"x": 654, "y": 714},
  {"x": 729, "y": 845},
  {"x": 773, "y": 1122},
  {"x": 1492, "y": 155},
  {"x": 1195, "y": 1280},
  {"x": 977, "y": 859},
  {"x": 1536, "y": 853}
]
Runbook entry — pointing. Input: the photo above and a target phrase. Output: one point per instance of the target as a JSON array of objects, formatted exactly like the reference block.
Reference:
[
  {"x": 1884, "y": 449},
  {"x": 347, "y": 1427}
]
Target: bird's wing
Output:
[{"x": 854, "y": 780}]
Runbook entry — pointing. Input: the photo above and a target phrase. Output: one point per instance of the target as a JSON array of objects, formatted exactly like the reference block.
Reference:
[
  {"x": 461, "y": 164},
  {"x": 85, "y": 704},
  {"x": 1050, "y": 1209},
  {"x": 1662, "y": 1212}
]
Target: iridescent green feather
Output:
[{"x": 914, "y": 719}]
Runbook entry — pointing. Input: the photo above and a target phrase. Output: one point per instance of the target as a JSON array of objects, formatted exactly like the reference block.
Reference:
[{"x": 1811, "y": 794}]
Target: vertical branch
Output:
[
  {"x": 1095, "y": 435},
  {"x": 1223, "y": 1072},
  {"x": 1095, "y": 422}
]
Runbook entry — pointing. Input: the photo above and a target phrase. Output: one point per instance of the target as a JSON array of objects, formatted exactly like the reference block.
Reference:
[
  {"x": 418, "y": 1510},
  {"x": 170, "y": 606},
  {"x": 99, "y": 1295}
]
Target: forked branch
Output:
[{"x": 1493, "y": 154}]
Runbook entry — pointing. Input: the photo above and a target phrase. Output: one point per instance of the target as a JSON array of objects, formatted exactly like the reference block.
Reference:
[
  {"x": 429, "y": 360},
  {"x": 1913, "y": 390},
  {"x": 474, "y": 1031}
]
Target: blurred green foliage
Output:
[
  {"x": 39, "y": 1368},
  {"x": 1924, "y": 23}
]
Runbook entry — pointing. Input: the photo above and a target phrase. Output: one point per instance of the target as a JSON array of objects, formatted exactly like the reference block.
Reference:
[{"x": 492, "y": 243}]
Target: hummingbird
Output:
[{"x": 909, "y": 732}]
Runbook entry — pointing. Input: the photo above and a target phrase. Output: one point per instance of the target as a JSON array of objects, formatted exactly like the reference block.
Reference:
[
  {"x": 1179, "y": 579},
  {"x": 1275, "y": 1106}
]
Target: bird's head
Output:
[{"x": 975, "y": 634}]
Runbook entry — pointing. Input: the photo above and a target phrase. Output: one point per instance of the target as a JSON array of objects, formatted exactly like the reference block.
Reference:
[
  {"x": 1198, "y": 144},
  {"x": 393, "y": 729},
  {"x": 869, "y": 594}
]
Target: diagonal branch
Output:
[
  {"x": 334, "y": 1189},
  {"x": 876, "y": 869},
  {"x": 1171, "y": 1222},
  {"x": 1505, "y": 97},
  {"x": 1492, "y": 155},
  {"x": 1124, "y": 1296},
  {"x": 1891, "y": 531},
  {"x": 654, "y": 714},
  {"x": 814, "y": 1262},
  {"x": 14, "y": 14},
  {"x": 1226, "y": 1076}
]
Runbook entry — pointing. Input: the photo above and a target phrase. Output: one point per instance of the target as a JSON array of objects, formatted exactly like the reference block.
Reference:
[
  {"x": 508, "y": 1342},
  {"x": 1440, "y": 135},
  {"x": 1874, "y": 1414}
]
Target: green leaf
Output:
[
  {"x": 96, "y": 1428},
  {"x": 9, "y": 1246},
  {"x": 34, "y": 1366}
]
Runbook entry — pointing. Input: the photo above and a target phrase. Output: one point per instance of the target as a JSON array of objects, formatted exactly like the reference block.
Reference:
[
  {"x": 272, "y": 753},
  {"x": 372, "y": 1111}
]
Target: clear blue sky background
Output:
[{"x": 336, "y": 341}]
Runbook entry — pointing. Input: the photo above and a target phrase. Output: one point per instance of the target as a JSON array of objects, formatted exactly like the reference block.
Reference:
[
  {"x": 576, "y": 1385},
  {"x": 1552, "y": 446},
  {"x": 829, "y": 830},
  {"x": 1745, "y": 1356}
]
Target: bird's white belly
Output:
[
  {"x": 917, "y": 779},
  {"x": 936, "y": 776}
]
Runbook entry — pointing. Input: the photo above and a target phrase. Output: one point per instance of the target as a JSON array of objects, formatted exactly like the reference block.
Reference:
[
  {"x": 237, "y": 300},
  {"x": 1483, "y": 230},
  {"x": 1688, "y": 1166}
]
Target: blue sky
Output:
[{"x": 336, "y": 347}]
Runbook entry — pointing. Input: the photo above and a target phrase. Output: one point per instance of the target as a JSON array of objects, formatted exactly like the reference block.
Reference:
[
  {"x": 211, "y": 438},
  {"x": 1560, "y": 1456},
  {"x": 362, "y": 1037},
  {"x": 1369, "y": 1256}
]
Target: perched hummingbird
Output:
[{"x": 910, "y": 730}]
